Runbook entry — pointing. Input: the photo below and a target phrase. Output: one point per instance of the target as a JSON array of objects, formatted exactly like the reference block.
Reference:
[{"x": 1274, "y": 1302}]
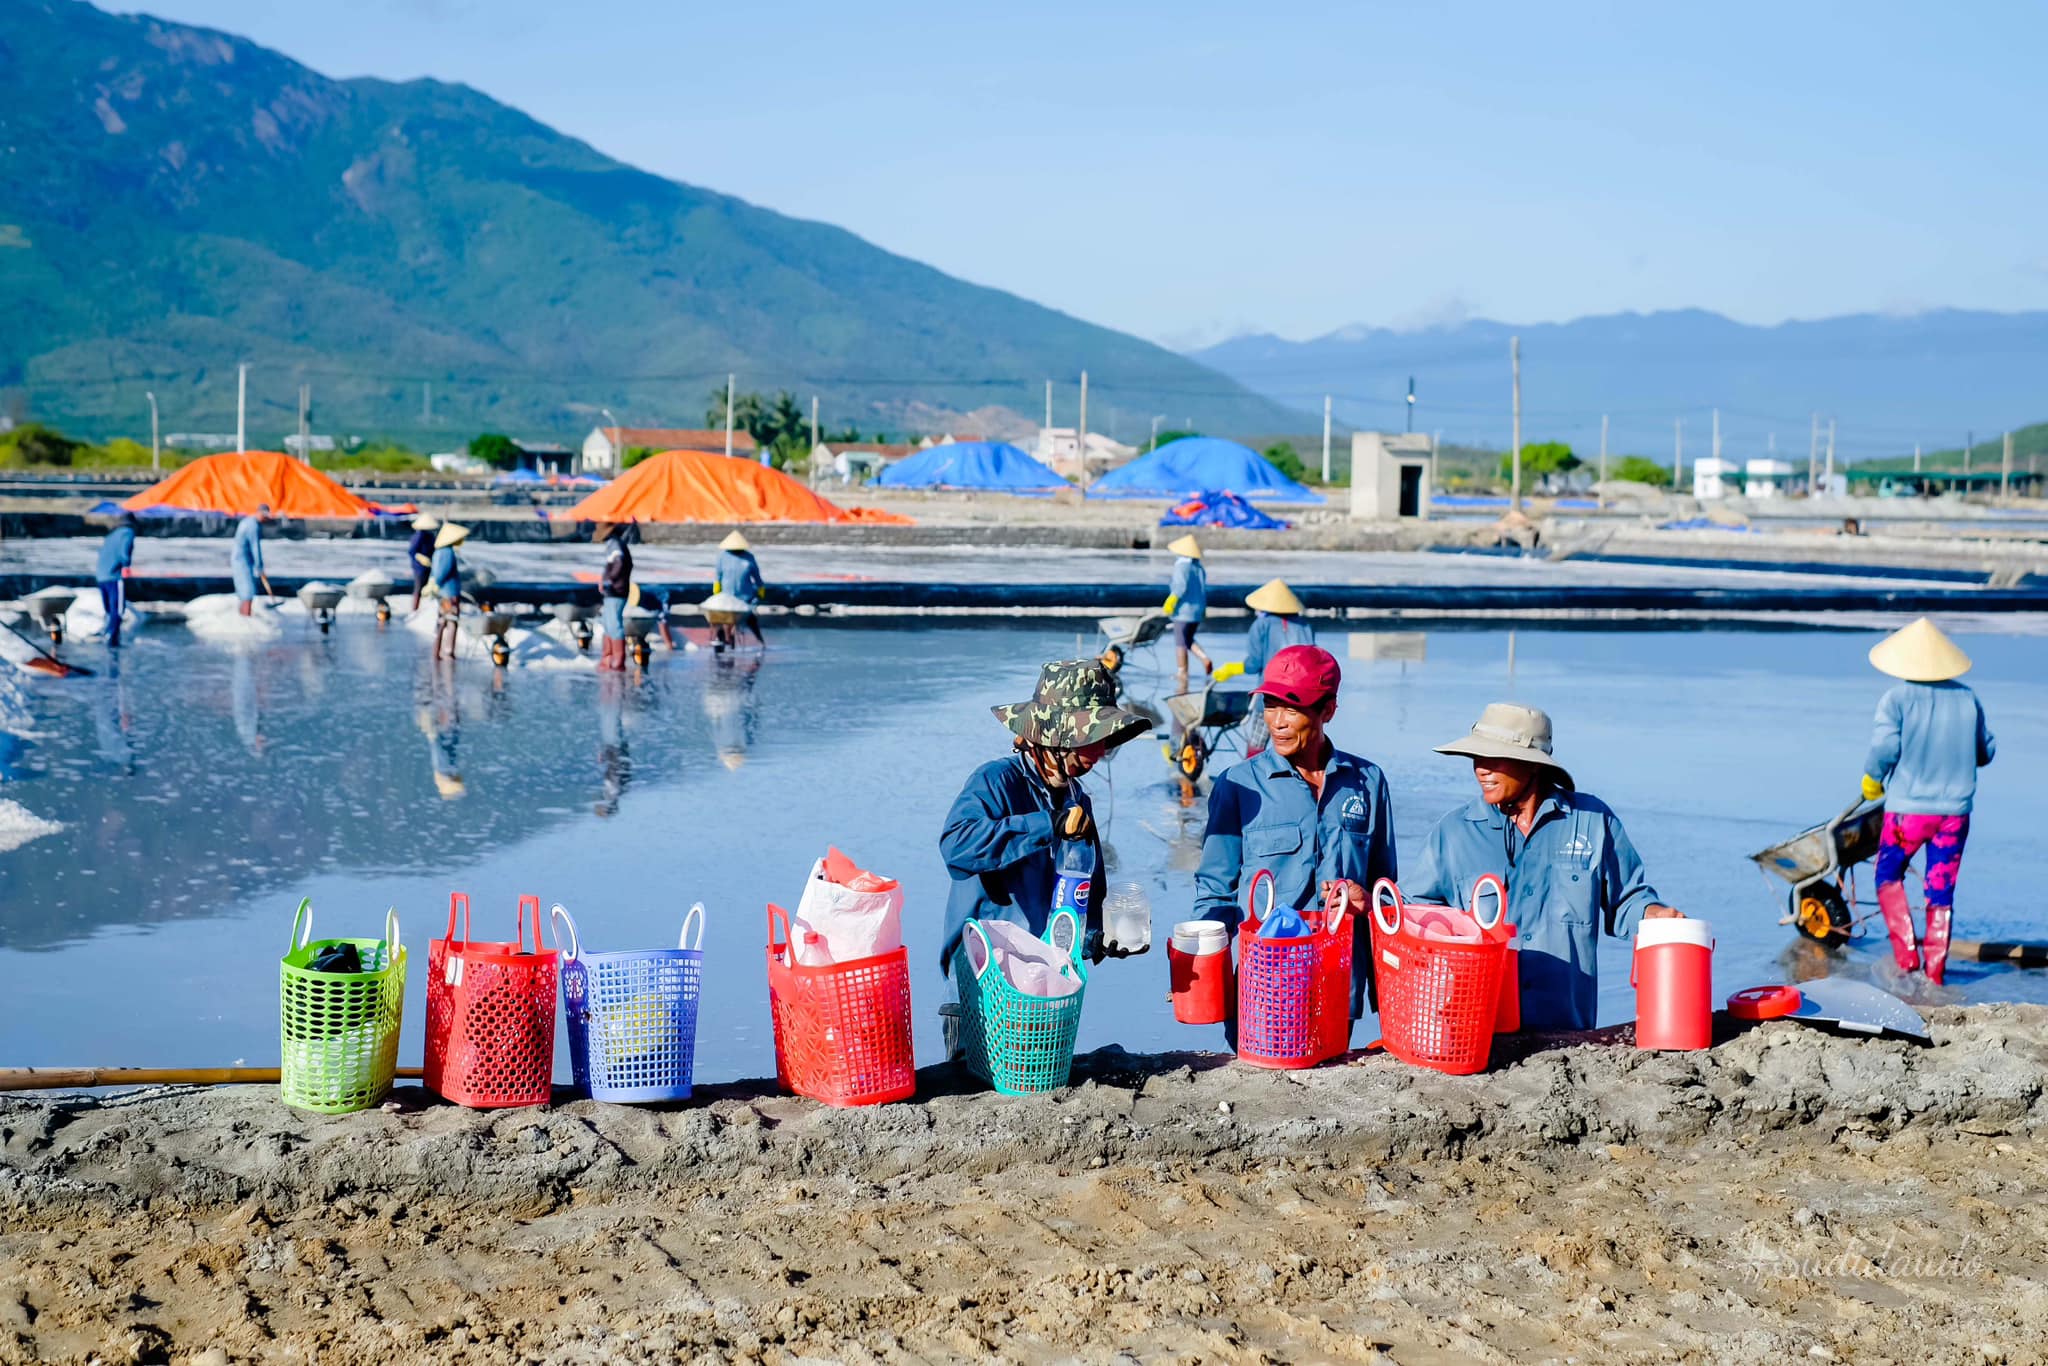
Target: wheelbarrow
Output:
[
  {"x": 638, "y": 623},
  {"x": 1206, "y": 720},
  {"x": 1816, "y": 861},
  {"x": 320, "y": 600},
  {"x": 48, "y": 606},
  {"x": 492, "y": 624},
  {"x": 577, "y": 616}
]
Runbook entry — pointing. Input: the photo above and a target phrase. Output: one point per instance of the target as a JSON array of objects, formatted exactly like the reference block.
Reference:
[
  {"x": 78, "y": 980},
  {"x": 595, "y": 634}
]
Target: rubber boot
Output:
[
  {"x": 1934, "y": 961},
  {"x": 614, "y": 655},
  {"x": 1898, "y": 918}
]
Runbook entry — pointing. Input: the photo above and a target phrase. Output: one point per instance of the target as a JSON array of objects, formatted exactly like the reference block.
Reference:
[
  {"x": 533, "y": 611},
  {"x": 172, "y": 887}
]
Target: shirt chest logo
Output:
[
  {"x": 1578, "y": 846},
  {"x": 1354, "y": 808}
]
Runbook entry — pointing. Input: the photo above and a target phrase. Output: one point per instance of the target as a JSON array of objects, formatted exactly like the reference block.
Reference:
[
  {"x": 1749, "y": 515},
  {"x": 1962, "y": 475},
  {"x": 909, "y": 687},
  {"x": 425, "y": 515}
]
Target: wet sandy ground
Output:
[{"x": 1788, "y": 1195}]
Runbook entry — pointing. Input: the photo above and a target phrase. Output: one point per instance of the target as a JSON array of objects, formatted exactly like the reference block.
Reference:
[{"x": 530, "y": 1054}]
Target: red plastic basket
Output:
[
  {"x": 1439, "y": 1000},
  {"x": 490, "y": 1014},
  {"x": 842, "y": 1033},
  {"x": 1294, "y": 994}
]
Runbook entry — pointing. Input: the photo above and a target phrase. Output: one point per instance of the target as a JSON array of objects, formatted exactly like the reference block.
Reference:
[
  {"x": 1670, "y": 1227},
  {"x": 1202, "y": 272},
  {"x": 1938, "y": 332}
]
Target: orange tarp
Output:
[
  {"x": 694, "y": 486},
  {"x": 237, "y": 482}
]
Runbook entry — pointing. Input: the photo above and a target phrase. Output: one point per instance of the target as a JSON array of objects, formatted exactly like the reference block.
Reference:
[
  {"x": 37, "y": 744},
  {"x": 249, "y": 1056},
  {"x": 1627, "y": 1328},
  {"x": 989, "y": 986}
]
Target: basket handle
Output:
[
  {"x": 988, "y": 952},
  {"x": 529, "y": 903},
  {"x": 302, "y": 925},
  {"x": 696, "y": 913},
  {"x": 560, "y": 914},
  {"x": 1333, "y": 906},
  {"x": 1063, "y": 932},
  {"x": 1386, "y": 894},
  {"x": 777, "y": 914},
  {"x": 390, "y": 935},
  {"x": 458, "y": 900},
  {"x": 1264, "y": 875},
  {"x": 1489, "y": 882}
]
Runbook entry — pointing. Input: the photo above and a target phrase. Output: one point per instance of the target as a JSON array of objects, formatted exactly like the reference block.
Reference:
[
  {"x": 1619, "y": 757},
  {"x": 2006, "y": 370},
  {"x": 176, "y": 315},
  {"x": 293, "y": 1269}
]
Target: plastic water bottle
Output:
[
  {"x": 1127, "y": 918},
  {"x": 1074, "y": 861}
]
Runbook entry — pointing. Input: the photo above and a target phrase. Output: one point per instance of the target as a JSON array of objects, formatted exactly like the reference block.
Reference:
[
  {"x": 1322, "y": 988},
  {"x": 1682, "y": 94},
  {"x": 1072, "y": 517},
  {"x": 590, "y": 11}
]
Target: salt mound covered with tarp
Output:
[
  {"x": 238, "y": 482},
  {"x": 971, "y": 465},
  {"x": 1215, "y": 508},
  {"x": 1196, "y": 464},
  {"x": 696, "y": 486}
]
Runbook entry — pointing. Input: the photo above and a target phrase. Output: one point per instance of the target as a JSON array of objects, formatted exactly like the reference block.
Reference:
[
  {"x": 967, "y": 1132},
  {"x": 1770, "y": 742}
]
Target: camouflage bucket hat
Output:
[{"x": 1075, "y": 706}]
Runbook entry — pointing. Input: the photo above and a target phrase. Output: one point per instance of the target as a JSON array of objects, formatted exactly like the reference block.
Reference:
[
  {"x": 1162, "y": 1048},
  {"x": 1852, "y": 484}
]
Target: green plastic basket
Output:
[
  {"x": 340, "y": 1029},
  {"x": 1018, "y": 1043}
]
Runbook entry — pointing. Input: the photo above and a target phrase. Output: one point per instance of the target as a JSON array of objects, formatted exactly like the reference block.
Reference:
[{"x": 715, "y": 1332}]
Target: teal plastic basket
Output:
[{"x": 1018, "y": 1043}]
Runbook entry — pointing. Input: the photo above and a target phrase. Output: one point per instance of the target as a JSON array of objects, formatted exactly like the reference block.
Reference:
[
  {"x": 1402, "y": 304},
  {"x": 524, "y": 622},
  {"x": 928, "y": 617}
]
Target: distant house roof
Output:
[
  {"x": 952, "y": 438},
  {"x": 883, "y": 450},
  {"x": 677, "y": 439}
]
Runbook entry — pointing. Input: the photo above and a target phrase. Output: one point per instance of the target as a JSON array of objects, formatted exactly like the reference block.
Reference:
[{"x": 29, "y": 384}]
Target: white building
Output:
[
  {"x": 1766, "y": 478},
  {"x": 1058, "y": 447},
  {"x": 1715, "y": 478},
  {"x": 457, "y": 462},
  {"x": 605, "y": 447},
  {"x": 312, "y": 443},
  {"x": 1390, "y": 476}
]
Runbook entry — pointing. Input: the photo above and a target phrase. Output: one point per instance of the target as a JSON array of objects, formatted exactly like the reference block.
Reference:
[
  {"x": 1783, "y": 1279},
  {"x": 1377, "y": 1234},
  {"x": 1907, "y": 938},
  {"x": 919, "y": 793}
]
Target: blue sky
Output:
[{"x": 1187, "y": 171}]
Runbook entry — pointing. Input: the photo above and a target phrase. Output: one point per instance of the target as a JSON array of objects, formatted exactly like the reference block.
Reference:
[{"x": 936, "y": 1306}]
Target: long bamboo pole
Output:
[{"x": 54, "y": 1078}]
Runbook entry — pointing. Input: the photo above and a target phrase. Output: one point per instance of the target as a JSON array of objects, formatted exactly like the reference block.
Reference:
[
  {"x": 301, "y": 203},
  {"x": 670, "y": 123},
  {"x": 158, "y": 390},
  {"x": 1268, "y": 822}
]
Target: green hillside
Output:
[
  {"x": 2029, "y": 444},
  {"x": 175, "y": 200}
]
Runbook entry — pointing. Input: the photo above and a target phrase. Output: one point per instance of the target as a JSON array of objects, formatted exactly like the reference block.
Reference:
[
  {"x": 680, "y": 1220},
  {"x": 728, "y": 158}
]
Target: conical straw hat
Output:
[
  {"x": 735, "y": 541},
  {"x": 451, "y": 533},
  {"x": 1919, "y": 653},
  {"x": 1186, "y": 545},
  {"x": 1275, "y": 596}
]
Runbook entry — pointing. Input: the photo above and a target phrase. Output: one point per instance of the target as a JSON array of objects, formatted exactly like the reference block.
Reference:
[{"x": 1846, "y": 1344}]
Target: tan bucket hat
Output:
[
  {"x": 1186, "y": 545},
  {"x": 426, "y": 521},
  {"x": 1274, "y": 596},
  {"x": 735, "y": 541},
  {"x": 451, "y": 533},
  {"x": 1920, "y": 653},
  {"x": 1506, "y": 730}
]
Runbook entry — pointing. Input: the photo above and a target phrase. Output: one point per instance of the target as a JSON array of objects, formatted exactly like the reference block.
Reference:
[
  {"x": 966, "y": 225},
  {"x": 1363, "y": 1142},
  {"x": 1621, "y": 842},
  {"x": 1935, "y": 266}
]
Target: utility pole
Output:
[
  {"x": 305, "y": 439},
  {"x": 1969, "y": 441},
  {"x": 1153, "y": 444},
  {"x": 1326, "y": 434},
  {"x": 1831, "y": 453},
  {"x": 156, "y": 450},
  {"x": 1916, "y": 457},
  {"x": 1515, "y": 364},
  {"x": 728, "y": 416},
  {"x": 814, "y": 422},
  {"x": 1600, "y": 495},
  {"x": 1081, "y": 433},
  {"x": 1717, "y": 436},
  {"x": 1678, "y": 456},
  {"x": 2005, "y": 469},
  {"x": 1411, "y": 407},
  {"x": 1813, "y": 459},
  {"x": 1048, "y": 403},
  {"x": 242, "y": 406}
]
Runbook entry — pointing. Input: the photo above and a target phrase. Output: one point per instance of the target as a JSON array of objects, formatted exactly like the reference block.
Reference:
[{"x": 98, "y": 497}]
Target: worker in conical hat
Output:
[
  {"x": 1277, "y": 625},
  {"x": 1187, "y": 602},
  {"x": 444, "y": 576},
  {"x": 419, "y": 553},
  {"x": 739, "y": 574},
  {"x": 1927, "y": 743}
]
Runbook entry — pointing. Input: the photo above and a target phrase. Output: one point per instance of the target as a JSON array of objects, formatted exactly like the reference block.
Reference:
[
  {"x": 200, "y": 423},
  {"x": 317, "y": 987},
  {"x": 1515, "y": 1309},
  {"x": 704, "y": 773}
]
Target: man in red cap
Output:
[{"x": 1307, "y": 812}]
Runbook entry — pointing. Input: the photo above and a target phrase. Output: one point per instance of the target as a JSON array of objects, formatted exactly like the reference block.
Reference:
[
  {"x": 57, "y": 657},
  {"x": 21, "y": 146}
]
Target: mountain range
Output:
[
  {"x": 175, "y": 201},
  {"x": 1886, "y": 381}
]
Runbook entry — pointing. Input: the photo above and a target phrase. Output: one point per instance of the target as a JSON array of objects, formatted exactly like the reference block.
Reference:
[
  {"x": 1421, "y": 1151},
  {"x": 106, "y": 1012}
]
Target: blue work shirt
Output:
[
  {"x": 247, "y": 555},
  {"x": 1270, "y": 634},
  {"x": 117, "y": 552},
  {"x": 998, "y": 845},
  {"x": 1926, "y": 746},
  {"x": 1189, "y": 589},
  {"x": 739, "y": 574},
  {"x": 446, "y": 574},
  {"x": 419, "y": 553},
  {"x": 1264, "y": 816},
  {"x": 1573, "y": 876}
]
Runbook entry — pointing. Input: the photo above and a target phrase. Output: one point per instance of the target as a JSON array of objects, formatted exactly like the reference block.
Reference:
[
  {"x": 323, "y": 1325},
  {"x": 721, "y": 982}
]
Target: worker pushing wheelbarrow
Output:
[
  {"x": 1206, "y": 720},
  {"x": 1122, "y": 635},
  {"x": 1819, "y": 863}
]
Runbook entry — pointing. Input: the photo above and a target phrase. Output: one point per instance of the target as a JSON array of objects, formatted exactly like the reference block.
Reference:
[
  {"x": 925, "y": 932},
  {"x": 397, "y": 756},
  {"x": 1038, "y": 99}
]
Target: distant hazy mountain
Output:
[
  {"x": 1888, "y": 381},
  {"x": 175, "y": 200}
]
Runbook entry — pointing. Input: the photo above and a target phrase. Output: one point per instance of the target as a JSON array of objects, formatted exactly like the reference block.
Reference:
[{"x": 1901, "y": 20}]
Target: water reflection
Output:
[
  {"x": 440, "y": 720},
  {"x": 730, "y": 707},
  {"x": 614, "y": 755}
]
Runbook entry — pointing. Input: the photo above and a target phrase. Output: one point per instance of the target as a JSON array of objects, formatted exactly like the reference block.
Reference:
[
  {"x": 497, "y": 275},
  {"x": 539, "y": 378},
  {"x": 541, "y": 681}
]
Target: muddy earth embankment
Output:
[{"x": 1788, "y": 1195}]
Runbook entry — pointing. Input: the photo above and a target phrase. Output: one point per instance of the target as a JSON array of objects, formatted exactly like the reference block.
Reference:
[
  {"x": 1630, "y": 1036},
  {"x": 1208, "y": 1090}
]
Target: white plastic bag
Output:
[
  {"x": 846, "y": 913},
  {"x": 1027, "y": 962}
]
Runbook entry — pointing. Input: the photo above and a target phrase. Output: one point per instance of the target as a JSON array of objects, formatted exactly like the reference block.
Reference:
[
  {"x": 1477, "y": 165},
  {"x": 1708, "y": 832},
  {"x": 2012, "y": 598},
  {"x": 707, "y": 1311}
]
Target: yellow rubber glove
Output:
[
  {"x": 1873, "y": 790},
  {"x": 632, "y": 595},
  {"x": 1171, "y": 603},
  {"x": 424, "y": 560},
  {"x": 1234, "y": 669},
  {"x": 716, "y": 588}
]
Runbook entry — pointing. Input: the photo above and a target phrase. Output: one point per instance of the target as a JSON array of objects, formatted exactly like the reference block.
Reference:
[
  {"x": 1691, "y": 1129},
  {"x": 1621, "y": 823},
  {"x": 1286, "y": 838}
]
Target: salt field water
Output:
[{"x": 203, "y": 789}]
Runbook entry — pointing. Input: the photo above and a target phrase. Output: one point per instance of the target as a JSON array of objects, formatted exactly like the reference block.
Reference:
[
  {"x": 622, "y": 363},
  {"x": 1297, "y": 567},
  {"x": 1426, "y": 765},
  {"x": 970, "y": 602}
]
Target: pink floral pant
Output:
[{"x": 1904, "y": 835}]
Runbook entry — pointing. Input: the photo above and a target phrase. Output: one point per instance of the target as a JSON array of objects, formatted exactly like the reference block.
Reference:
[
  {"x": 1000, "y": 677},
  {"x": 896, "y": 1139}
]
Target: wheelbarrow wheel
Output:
[
  {"x": 1821, "y": 915},
  {"x": 1194, "y": 754},
  {"x": 1113, "y": 658}
]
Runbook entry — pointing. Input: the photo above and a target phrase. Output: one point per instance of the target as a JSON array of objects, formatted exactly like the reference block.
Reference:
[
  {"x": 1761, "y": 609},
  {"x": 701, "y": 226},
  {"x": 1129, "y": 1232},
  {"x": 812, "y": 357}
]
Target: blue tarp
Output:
[
  {"x": 1215, "y": 508},
  {"x": 971, "y": 465},
  {"x": 529, "y": 476},
  {"x": 1193, "y": 464}
]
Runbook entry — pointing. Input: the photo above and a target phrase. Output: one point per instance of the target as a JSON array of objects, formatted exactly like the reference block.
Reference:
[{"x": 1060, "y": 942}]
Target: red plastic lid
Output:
[{"x": 1764, "y": 1003}]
